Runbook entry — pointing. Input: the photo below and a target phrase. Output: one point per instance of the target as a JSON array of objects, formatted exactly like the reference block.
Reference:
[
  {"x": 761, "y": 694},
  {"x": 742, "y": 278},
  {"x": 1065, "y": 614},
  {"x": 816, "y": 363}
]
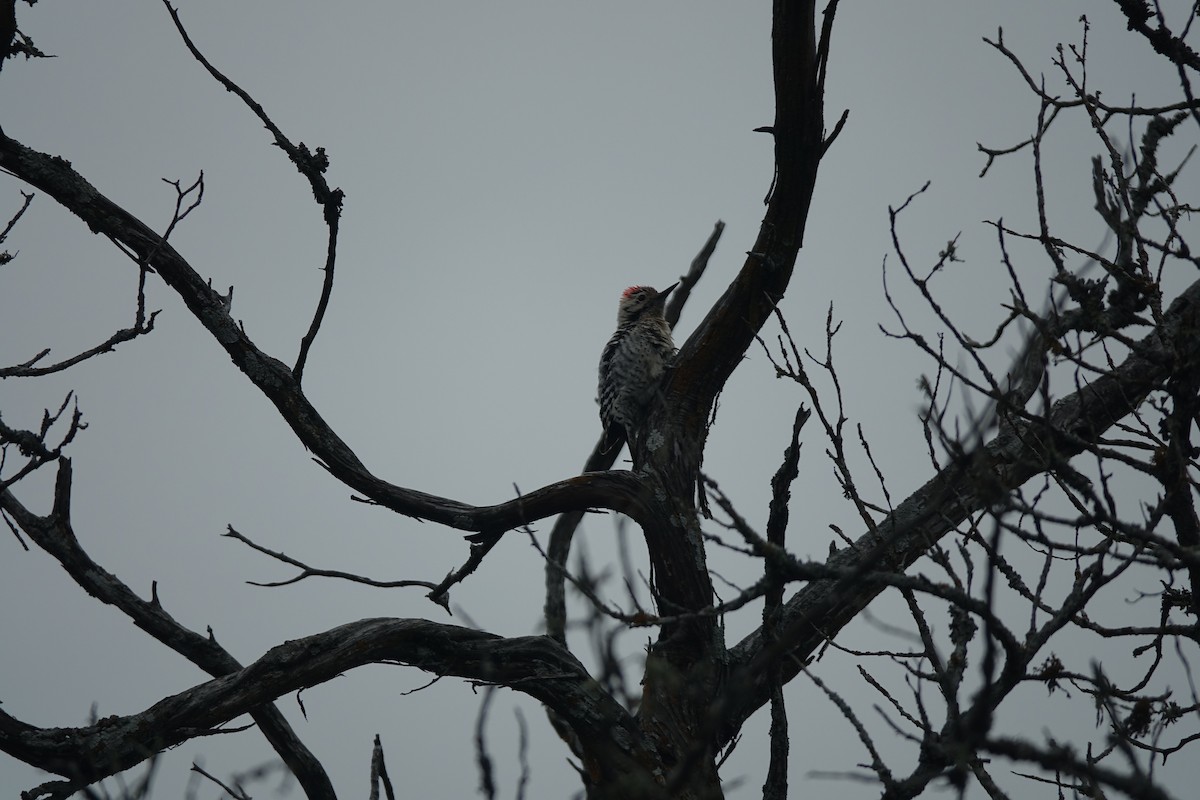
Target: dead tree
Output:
[{"x": 1105, "y": 385}]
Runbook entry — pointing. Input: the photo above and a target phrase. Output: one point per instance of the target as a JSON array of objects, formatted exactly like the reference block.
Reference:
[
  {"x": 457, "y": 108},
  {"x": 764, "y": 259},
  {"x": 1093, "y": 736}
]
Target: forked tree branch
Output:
[
  {"x": 311, "y": 165},
  {"x": 561, "y": 535},
  {"x": 720, "y": 342}
]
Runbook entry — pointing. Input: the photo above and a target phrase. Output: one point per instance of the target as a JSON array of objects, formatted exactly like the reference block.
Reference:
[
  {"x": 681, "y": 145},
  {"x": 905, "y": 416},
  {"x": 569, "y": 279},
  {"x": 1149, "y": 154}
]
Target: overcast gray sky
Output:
[{"x": 509, "y": 168}]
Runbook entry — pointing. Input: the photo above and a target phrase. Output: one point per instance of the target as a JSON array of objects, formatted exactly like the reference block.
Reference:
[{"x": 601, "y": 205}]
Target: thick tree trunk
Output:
[{"x": 683, "y": 683}]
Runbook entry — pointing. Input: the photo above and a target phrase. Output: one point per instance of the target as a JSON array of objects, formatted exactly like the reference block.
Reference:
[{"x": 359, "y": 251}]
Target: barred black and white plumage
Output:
[{"x": 633, "y": 362}]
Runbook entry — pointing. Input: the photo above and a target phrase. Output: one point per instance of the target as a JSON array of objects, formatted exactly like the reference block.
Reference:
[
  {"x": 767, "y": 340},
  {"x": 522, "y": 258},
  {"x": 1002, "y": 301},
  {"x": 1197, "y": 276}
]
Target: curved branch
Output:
[
  {"x": 534, "y": 665},
  {"x": 617, "y": 491}
]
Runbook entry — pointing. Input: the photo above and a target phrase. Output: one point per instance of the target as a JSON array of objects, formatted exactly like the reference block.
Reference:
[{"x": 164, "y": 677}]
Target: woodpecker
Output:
[{"x": 633, "y": 361}]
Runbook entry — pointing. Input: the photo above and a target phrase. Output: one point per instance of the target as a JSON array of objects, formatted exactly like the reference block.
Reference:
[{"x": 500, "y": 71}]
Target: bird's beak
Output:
[{"x": 662, "y": 296}]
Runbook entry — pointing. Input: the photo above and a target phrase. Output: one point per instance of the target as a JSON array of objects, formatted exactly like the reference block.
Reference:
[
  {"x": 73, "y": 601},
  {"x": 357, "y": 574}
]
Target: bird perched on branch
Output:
[{"x": 633, "y": 362}]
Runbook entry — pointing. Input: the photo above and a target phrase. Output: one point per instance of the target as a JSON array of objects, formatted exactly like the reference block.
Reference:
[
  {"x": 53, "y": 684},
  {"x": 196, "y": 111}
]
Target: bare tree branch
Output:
[
  {"x": 311, "y": 165},
  {"x": 315, "y": 572},
  {"x": 534, "y": 665}
]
